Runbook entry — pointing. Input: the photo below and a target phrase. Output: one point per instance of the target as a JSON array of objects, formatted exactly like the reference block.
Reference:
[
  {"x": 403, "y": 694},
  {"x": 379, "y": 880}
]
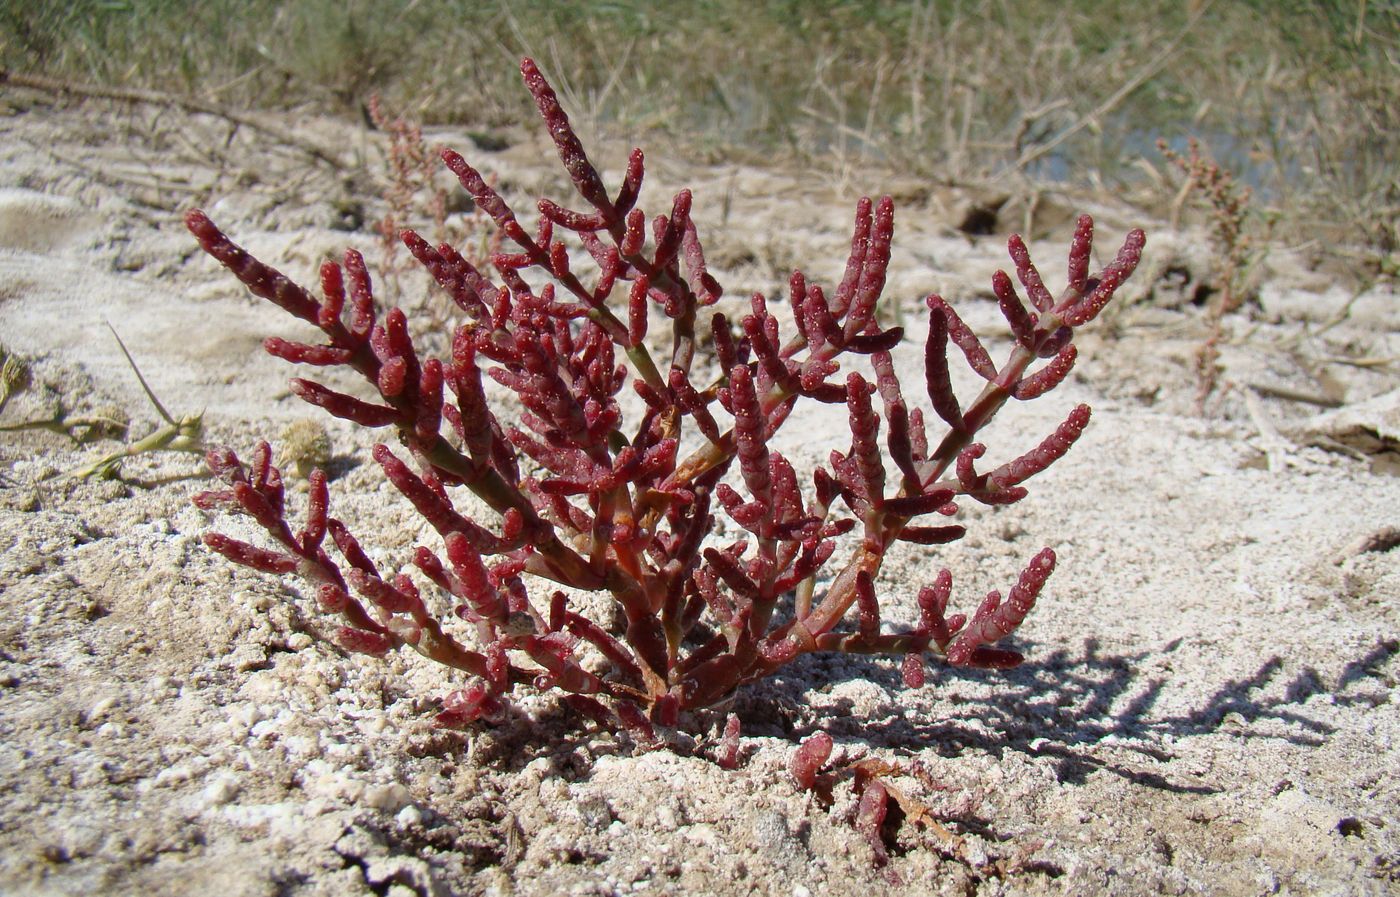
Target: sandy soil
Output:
[{"x": 1209, "y": 703}]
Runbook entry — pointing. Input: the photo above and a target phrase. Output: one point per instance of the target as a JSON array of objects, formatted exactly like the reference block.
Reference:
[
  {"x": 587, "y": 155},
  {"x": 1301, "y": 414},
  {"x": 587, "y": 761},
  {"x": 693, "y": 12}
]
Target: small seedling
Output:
[
  {"x": 183, "y": 435},
  {"x": 14, "y": 376},
  {"x": 306, "y": 446}
]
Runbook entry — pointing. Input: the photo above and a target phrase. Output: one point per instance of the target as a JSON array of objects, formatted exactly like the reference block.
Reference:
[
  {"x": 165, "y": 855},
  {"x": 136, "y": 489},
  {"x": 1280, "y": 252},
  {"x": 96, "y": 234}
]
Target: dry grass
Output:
[{"x": 1299, "y": 97}]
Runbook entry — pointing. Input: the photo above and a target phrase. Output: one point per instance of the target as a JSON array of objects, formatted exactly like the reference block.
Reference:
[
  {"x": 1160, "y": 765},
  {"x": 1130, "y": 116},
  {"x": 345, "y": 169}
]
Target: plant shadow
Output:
[{"x": 1093, "y": 710}]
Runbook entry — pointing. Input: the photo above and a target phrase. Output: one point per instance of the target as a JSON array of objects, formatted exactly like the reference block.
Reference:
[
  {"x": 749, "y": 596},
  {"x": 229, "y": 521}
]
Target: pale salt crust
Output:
[{"x": 1209, "y": 700}]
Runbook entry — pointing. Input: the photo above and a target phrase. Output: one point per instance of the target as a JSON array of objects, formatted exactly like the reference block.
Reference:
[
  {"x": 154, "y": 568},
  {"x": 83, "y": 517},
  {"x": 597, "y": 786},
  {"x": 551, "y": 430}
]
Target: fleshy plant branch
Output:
[{"x": 586, "y": 500}]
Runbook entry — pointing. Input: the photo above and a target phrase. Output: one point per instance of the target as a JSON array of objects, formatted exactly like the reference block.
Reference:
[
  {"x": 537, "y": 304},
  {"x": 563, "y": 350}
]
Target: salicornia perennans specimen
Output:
[{"x": 586, "y": 500}]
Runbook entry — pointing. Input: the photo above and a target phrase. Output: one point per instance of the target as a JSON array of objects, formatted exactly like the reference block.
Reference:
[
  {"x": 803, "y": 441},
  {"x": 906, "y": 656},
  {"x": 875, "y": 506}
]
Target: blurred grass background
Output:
[{"x": 1300, "y": 98}]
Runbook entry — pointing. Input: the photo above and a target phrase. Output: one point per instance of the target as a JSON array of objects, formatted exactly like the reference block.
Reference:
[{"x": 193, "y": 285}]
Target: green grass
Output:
[{"x": 1299, "y": 97}]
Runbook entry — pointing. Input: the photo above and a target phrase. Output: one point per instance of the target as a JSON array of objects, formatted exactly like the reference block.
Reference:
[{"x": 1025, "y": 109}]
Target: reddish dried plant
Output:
[
  {"x": 1229, "y": 210},
  {"x": 410, "y": 165},
  {"x": 586, "y": 500},
  {"x": 412, "y": 193},
  {"x": 1228, "y": 205}
]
